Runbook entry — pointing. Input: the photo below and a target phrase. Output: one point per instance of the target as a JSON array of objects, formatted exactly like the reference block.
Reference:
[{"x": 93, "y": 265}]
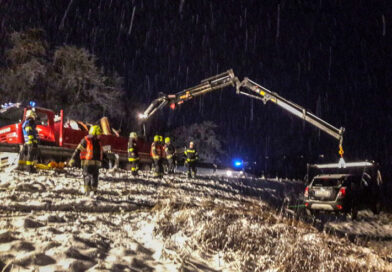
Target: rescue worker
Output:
[
  {"x": 91, "y": 156},
  {"x": 191, "y": 158},
  {"x": 29, "y": 153},
  {"x": 156, "y": 154},
  {"x": 133, "y": 156},
  {"x": 169, "y": 152}
]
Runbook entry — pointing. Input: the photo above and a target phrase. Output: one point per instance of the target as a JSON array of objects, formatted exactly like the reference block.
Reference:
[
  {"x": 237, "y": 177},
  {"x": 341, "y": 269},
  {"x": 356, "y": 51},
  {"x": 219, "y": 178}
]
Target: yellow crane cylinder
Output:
[{"x": 105, "y": 125}]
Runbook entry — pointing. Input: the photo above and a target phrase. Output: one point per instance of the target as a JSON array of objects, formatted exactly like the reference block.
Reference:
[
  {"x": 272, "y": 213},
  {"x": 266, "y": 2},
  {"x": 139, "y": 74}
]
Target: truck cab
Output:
[
  {"x": 11, "y": 121},
  {"x": 57, "y": 138}
]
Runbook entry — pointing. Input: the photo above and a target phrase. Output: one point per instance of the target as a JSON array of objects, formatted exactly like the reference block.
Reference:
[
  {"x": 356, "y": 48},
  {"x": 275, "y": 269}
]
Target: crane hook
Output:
[{"x": 341, "y": 152}]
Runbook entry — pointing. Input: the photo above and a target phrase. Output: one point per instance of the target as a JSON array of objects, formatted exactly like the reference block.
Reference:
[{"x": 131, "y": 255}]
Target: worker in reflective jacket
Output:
[
  {"x": 133, "y": 156},
  {"x": 156, "y": 154},
  {"x": 91, "y": 156},
  {"x": 29, "y": 153},
  {"x": 191, "y": 158},
  {"x": 169, "y": 152}
]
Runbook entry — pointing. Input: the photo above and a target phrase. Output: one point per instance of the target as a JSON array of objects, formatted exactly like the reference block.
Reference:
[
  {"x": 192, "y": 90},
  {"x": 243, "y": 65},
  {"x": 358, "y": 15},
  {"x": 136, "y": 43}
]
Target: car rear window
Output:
[{"x": 327, "y": 182}]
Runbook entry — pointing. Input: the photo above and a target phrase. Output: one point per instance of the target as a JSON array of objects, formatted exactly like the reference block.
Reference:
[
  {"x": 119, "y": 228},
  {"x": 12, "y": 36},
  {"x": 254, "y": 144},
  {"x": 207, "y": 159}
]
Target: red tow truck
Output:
[{"x": 58, "y": 138}]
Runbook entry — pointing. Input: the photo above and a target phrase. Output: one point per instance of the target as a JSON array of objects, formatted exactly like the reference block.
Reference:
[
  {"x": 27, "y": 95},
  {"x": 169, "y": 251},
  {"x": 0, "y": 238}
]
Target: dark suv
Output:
[{"x": 349, "y": 189}]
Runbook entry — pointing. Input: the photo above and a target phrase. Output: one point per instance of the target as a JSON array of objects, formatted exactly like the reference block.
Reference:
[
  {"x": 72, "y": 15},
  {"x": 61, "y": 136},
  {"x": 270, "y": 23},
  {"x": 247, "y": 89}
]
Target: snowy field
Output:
[{"x": 212, "y": 223}]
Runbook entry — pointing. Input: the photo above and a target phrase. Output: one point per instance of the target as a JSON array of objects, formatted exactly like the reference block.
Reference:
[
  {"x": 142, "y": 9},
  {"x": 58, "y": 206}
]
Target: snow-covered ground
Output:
[
  {"x": 212, "y": 223},
  {"x": 211, "y": 172}
]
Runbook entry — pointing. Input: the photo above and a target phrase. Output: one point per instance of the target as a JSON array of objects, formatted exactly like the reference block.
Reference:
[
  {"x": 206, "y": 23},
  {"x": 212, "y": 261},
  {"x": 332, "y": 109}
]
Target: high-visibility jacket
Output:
[
  {"x": 30, "y": 131},
  {"x": 169, "y": 150},
  {"x": 191, "y": 155},
  {"x": 90, "y": 150},
  {"x": 132, "y": 150},
  {"x": 156, "y": 150}
]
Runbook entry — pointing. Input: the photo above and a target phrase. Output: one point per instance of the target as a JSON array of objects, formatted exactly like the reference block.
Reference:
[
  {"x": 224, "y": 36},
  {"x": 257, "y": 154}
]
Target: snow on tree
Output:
[
  {"x": 207, "y": 141},
  {"x": 26, "y": 67},
  {"x": 79, "y": 79},
  {"x": 67, "y": 78}
]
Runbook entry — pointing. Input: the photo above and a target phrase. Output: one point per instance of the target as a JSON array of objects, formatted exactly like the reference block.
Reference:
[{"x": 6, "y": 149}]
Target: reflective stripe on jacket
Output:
[
  {"x": 91, "y": 162},
  {"x": 29, "y": 131},
  {"x": 132, "y": 150},
  {"x": 156, "y": 150},
  {"x": 90, "y": 152},
  {"x": 191, "y": 155}
]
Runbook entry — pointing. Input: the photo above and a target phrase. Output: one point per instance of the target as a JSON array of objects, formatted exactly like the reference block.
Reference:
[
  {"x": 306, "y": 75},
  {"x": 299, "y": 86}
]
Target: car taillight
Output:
[
  {"x": 306, "y": 194},
  {"x": 342, "y": 192},
  {"x": 339, "y": 207}
]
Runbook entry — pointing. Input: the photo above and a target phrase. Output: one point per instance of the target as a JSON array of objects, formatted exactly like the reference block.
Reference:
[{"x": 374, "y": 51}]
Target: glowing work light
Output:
[
  {"x": 142, "y": 116},
  {"x": 32, "y": 104}
]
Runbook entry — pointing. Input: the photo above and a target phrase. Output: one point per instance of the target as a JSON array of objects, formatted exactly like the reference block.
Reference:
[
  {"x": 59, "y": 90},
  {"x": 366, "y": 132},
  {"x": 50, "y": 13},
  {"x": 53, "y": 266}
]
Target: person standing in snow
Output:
[
  {"x": 156, "y": 154},
  {"x": 133, "y": 156},
  {"x": 91, "y": 156},
  {"x": 191, "y": 159},
  {"x": 29, "y": 153},
  {"x": 169, "y": 152}
]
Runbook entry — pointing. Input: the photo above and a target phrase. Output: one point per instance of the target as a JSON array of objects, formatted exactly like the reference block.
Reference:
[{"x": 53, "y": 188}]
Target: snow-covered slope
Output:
[{"x": 173, "y": 224}]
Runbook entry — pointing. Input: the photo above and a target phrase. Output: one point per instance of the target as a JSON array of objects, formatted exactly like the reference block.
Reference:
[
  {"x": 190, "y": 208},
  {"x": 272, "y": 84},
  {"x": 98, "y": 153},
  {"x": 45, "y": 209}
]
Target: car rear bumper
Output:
[{"x": 324, "y": 205}]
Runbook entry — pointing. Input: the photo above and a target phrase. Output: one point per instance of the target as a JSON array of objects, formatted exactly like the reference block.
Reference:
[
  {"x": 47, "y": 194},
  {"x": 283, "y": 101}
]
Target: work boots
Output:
[
  {"x": 94, "y": 191},
  {"x": 86, "y": 189},
  {"x": 31, "y": 169},
  {"x": 191, "y": 174},
  {"x": 157, "y": 175}
]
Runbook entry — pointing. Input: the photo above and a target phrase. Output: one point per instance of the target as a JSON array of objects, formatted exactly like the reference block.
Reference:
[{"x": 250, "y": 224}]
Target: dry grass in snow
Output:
[
  {"x": 252, "y": 237},
  {"x": 174, "y": 224}
]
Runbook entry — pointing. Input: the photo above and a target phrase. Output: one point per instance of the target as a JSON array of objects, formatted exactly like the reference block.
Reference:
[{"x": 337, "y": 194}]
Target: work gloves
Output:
[{"x": 71, "y": 163}]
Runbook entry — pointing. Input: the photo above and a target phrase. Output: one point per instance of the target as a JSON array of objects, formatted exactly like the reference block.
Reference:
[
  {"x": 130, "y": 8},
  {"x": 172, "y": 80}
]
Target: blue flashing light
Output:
[
  {"x": 237, "y": 163},
  {"x": 33, "y": 104}
]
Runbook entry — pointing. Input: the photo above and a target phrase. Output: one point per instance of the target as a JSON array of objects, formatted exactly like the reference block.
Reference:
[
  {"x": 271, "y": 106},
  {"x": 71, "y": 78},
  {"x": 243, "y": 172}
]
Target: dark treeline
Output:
[
  {"x": 65, "y": 78},
  {"x": 332, "y": 57}
]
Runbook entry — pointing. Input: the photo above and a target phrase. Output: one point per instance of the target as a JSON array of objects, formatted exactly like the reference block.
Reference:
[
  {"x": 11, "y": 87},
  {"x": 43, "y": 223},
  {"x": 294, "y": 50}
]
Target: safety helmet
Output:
[
  {"x": 156, "y": 138},
  {"x": 167, "y": 140},
  {"x": 133, "y": 135},
  {"x": 160, "y": 138},
  {"x": 31, "y": 114},
  {"x": 95, "y": 130}
]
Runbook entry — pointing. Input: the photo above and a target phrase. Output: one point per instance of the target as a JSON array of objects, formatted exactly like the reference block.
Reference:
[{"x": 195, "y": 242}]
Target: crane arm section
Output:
[
  {"x": 266, "y": 95},
  {"x": 249, "y": 88},
  {"x": 207, "y": 85}
]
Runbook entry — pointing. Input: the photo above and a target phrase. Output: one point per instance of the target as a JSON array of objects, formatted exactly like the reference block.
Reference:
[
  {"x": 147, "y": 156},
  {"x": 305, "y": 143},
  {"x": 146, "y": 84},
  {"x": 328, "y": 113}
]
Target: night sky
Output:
[{"x": 332, "y": 57}]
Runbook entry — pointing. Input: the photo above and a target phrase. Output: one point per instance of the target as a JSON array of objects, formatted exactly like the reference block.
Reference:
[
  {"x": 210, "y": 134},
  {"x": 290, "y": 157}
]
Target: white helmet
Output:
[
  {"x": 31, "y": 114},
  {"x": 133, "y": 135}
]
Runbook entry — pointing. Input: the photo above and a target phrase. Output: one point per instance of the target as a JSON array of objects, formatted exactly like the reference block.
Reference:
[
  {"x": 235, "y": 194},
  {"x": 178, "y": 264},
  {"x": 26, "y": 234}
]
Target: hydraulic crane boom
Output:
[
  {"x": 266, "y": 95},
  {"x": 207, "y": 85},
  {"x": 259, "y": 92}
]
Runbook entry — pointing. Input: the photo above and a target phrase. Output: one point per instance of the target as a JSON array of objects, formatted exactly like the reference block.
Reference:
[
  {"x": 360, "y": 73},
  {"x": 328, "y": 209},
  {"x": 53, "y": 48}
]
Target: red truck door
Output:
[{"x": 45, "y": 125}]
